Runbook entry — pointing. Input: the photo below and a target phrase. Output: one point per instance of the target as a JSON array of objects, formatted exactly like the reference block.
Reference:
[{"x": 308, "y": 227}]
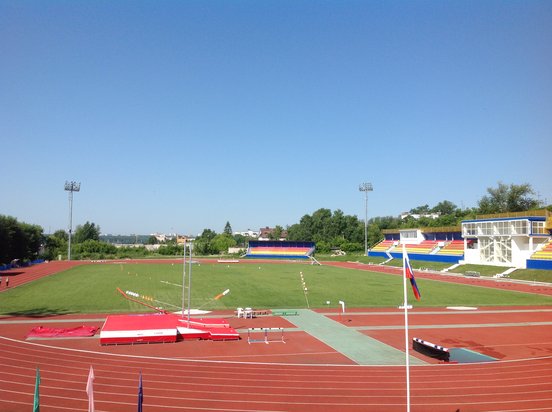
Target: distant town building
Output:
[
  {"x": 266, "y": 234},
  {"x": 161, "y": 237},
  {"x": 180, "y": 239},
  {"x": 419, "y": 215},
  {"x": 248, "y": 233}
]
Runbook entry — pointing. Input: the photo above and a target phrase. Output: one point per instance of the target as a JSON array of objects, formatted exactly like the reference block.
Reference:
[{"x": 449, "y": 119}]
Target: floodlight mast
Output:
[
  {"x": 71, "y": 187},
  {"x": 365, "y": 187}
]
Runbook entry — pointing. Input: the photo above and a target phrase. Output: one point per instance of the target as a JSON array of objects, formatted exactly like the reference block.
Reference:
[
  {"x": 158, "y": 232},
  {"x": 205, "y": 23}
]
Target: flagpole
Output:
[{"x": 406, "y": 340}]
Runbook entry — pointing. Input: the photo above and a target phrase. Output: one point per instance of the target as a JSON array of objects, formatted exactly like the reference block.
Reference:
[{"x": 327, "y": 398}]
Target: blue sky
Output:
[{"x": 178, "y": 116}]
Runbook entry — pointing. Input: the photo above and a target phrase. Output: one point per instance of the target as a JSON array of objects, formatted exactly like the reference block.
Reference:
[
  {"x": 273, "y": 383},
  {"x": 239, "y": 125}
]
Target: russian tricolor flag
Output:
[{"x": 409, "y": 273}]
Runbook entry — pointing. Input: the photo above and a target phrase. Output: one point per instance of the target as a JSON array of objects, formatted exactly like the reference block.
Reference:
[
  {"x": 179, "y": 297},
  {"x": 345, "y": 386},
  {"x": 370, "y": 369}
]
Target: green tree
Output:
[
  {"x": 61, "y": 235},
  {"x": 94, "y": 249},
  {"x": 276, "y": 234},
  {"x": 328, "y": 230},
  {"x": 19, "y": 240},
  {"x": 88, "y": 231},
  {"x": 171, "y": 249},
  {"x": 240, "y": 240},
  {"x": 300, "y": 231},
  {"x": 56, "y": 245},
  {"x": 221, "y": 243},
  {"x": 375, "y": 235},
  {"x": 444, "y": 208},
  {"x": 202, "y": 244},
  {"x": 227, "y": 229},
  {"x": 387, "y": 222},
  {"x": 508, "y": 198},
  {"x": 420, "y": 210}
]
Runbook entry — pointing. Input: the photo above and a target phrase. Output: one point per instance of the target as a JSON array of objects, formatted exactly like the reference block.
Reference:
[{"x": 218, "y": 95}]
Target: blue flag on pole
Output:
[
  {"x": 410, "y": 276},
  {"x": 140, "y": 394}
]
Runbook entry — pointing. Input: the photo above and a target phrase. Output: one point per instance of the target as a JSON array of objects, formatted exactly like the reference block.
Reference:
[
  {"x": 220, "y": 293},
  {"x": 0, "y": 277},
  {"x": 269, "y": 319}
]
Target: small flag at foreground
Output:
[
  {"x": 410, "y": 276},
  {"x": 36, "y": 405},
  {"x": 90, "y": 390},
  {"x": 140, "y": 394}
]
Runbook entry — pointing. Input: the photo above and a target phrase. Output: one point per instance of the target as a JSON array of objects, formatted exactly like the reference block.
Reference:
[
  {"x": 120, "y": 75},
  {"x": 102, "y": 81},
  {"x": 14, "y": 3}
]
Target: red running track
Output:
[
  {"x": 172, "y": 384},
  {"x": 300, "y": 375}
]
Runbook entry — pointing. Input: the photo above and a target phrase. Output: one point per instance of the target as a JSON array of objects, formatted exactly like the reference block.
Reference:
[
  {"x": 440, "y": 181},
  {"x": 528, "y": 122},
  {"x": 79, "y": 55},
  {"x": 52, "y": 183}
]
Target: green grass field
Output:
[
  {"x": 485, "y": 270},
  {"x": 92, "y": 289}
]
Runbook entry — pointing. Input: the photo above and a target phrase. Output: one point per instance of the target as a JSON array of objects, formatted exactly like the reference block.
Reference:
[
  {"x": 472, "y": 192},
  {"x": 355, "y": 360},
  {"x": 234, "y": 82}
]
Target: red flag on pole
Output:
[
  {"x": 90, "y": 390},
  {"x": 410, "y": 276}
]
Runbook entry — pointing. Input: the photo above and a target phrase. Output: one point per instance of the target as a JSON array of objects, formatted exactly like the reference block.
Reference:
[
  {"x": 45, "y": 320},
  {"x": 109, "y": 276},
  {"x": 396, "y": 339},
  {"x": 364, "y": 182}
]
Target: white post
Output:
[
  {"x": 190, "y": 282},
  {"x": 183, "y": 277},
  {"x": 342, "y": 310},
  {"x": 406, "y": 340}
]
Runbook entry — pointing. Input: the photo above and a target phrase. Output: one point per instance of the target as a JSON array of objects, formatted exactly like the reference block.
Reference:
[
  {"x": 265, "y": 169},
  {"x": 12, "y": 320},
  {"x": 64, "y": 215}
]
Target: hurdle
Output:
[
  {"x": 430, "y": 349},
  {"x": 265, "y": 335}
]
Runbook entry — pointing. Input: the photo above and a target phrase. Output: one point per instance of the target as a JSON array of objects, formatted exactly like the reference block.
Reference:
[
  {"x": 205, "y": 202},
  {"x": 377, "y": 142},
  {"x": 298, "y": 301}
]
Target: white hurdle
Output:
[{"x": 265, "y": 336}]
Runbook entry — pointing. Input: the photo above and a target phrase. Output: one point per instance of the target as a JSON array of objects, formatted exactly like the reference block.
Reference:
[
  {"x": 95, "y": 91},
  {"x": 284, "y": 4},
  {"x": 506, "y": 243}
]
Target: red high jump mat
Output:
[{"x": 162, "y": 328}]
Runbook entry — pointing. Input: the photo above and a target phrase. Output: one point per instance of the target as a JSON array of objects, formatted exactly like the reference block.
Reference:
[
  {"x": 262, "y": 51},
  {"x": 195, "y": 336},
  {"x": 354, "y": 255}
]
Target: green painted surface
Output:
[
  {"x": 358, "y": 347},
  {"x": 462, "y": 355}
]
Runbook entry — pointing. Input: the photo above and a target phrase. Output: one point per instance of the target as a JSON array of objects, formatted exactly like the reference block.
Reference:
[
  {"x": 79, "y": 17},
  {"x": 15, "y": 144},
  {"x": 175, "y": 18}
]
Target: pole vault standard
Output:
[{"x": 189, "y": 280}]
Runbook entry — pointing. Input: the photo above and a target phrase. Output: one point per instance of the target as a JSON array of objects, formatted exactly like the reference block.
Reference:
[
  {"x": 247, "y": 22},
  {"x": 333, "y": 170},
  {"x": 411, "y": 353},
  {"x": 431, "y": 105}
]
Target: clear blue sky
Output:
[{"x": 177, "y": 116}]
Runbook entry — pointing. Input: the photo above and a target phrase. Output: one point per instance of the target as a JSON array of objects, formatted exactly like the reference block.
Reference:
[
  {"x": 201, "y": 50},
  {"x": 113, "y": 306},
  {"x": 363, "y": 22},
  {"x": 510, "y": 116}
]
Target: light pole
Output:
[
  {"x": 365, "y": 187},
  {"x": 71, "y": 187}
]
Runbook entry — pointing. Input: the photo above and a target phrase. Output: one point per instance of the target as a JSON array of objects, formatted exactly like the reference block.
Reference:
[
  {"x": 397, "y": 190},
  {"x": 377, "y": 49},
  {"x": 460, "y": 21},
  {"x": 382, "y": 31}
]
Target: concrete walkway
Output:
[{"x": 358, "y": 347}]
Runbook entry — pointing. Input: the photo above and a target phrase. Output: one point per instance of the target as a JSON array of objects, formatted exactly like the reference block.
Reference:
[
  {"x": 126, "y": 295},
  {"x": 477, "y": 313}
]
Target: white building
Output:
[
  {"x": 507, "y": 239},
  {"x": 248, "y": 233}
]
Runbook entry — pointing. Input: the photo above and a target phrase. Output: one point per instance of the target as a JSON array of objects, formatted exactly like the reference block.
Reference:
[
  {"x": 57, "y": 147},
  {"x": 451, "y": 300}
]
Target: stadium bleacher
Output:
[
  {"x": 545, "y": 253},
  {"x": 383, "y": 246},
  {"x": 280, "y": 249},
  {"x": 454, "y": 247},
  {"x": 425, "y": 247}
]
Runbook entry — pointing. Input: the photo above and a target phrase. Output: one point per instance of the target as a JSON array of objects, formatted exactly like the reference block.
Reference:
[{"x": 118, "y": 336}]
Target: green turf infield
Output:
[{"x": 92, "y": 289}]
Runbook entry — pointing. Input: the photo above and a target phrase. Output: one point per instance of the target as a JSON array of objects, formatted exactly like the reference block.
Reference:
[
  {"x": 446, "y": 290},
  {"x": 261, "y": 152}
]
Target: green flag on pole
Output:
[{"x": 36, "y": 407}]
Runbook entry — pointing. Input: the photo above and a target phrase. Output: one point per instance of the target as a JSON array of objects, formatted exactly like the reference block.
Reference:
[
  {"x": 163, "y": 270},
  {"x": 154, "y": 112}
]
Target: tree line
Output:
[{"x": 330, "y": 230}]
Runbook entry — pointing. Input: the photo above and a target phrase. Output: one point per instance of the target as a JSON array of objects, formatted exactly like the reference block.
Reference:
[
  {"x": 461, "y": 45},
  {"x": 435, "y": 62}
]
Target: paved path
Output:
[{"x": 358, "y": 347}]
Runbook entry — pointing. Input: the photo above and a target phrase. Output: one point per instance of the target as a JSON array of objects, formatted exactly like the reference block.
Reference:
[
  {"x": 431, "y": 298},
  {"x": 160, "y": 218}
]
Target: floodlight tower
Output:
[
  {"x": 365, "y": 187},
  {"x": 71, "y": 187}
]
